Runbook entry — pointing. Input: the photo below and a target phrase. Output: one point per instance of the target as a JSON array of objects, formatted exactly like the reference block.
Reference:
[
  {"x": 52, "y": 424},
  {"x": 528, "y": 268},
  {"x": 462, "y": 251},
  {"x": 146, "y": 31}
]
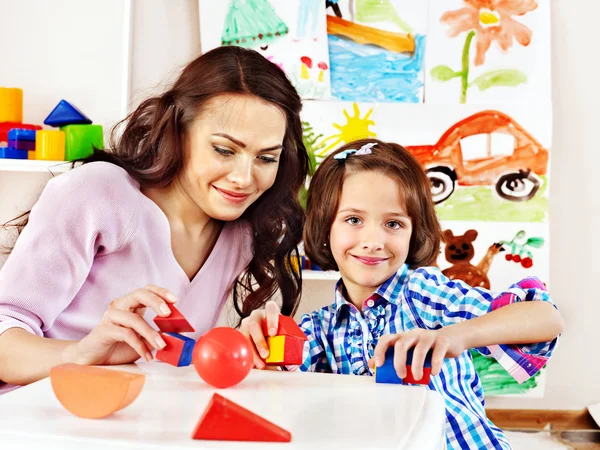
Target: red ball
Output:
[{"x": 223, "y": 357}]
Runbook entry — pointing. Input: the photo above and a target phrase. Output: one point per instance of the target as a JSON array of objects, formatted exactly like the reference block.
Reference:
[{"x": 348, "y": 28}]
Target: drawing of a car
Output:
[{"x": 486, "y": 149}]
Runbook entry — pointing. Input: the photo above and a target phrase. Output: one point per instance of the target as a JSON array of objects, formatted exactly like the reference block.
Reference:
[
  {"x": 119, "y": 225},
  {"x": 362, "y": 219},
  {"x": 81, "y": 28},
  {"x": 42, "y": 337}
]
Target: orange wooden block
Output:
[
  {"x": 224, "y": 420},
  {"x": 174, "y": 322},
  {"x": 286, "y": 327},
  {"x": 93, "y": 392}
]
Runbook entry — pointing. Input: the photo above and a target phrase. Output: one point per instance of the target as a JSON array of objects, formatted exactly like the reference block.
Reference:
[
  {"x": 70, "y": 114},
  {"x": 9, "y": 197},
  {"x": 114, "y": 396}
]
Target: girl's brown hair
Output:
[
  {"x": 150, "y": 150},
  {"x": 386, "y": 158}
]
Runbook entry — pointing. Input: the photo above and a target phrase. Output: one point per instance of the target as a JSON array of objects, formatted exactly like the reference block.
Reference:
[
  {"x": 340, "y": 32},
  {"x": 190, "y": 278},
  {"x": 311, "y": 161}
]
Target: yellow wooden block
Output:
[
  {"x": 11, "y": 105},
  {"x": 50, "y": 145},
  {"x": 31, "y": 154},
  {"x": 276, "y": 349}
]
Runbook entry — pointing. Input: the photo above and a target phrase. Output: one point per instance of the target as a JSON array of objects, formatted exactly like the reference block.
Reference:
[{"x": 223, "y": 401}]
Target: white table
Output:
[{"x": 320, "y": 411}]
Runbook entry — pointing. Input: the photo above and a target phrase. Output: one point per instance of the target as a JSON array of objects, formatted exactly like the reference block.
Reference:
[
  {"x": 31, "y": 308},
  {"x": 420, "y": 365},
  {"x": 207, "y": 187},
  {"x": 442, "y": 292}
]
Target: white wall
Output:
[{"x": 165, "y": 37}]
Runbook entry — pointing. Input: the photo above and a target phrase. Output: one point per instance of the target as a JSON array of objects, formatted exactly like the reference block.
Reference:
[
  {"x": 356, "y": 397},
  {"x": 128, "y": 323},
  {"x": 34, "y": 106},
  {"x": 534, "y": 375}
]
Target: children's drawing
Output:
[
  {"x": 290, "y": 33},
  {"x": 476, "y": 43},
  {"x": 485, "y": 149},
  {"x": 373, "y": 57},
  {"x": 484, "y": 165},
  {"x": 520, "y": 253},
  {"x": 356, "y": 127},
  {"x": 459, "y": 252}
]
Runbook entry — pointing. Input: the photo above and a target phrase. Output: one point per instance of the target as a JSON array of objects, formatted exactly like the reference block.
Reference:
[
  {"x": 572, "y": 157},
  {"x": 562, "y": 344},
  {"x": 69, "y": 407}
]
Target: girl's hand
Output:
[
  {"x": 251, "y": 327},
  {"x": 443, "y": 344},
  {"x": 122, "y": 336}
]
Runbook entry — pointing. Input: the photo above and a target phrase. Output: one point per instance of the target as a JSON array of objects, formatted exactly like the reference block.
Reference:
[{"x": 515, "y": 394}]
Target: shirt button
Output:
[{"x": 370, "y": 303}]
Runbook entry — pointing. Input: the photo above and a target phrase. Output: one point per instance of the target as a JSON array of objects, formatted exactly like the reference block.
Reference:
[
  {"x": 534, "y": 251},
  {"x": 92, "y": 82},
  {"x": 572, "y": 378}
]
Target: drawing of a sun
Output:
[{"x": 355, "y": 128}]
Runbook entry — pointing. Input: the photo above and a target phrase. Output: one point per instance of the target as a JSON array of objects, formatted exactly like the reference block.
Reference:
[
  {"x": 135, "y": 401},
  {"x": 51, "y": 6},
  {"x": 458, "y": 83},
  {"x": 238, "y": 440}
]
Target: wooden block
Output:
[
  {"x": 178, "y": 351},
  {"x": 224, "y": 420},
  {"x": 174, "y": 322},
  {"x": 93, "y": 392},
  {"x": 387, "y": 373},
  {"x": 286, "y": 327},
  {"x": 276, "y": 350}
]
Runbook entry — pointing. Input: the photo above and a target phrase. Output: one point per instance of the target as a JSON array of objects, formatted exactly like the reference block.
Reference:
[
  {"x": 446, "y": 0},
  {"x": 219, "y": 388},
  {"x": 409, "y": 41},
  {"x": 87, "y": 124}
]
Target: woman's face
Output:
[{"x": 232, "y": 153}]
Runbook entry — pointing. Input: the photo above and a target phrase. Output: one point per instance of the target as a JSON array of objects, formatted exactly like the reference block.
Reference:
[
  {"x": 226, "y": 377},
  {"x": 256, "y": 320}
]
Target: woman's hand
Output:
[
  {"x": 122, "y": 336},
  {"x": 442, "y": 344},
  {"x": 251, "y": 327}
]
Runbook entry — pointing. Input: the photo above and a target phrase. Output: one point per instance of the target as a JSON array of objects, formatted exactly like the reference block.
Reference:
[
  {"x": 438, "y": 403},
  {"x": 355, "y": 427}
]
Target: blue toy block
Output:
[
  {"x": 387, "y": 373},
  {"x": 12, "y": 153},
  {"x": 66, "y": 114},
  {"x": 20, "y": 134},
  {"x": 188, "y": 346}
]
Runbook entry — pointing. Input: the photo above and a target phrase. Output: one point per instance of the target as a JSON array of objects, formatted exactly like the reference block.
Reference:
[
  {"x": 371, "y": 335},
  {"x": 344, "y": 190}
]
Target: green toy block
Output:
[{"x": 81, "y": 140}]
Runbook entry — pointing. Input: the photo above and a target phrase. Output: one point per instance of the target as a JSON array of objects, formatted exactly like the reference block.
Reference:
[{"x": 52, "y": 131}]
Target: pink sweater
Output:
[{"x": 93, "y": 237}]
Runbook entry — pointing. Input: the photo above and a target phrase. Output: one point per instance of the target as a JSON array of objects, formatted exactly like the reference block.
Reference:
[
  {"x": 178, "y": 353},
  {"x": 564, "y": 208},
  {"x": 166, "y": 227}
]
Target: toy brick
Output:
[
  {"x": 31, "y": 154},
  {"x": 66, "y": 114},
  {"x": 6, "y": 127},
  {"x": 276, "y": 350},
  {"x": 94, "y": 392},
  {"x": 174, "y": 322},
  {"x": 11, "y": 104},
  {"x": 21, "y": 134},
  {"x": 81, "y": 140},
  {"x": 12, "y": 153},
  {"x": 286, "y": 327},
  {"x": 387, "y": 373},
  {"x": 178, "y": 351},
  {"x": 224, "y": 420},
  {"x": 50, "y": 145},
  {"x": 22, "y": 145}
]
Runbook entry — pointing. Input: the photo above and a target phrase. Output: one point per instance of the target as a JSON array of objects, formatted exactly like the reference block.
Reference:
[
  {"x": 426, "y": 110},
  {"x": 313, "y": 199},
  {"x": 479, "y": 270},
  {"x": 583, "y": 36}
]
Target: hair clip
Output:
[{"x": 364, "y": 150}]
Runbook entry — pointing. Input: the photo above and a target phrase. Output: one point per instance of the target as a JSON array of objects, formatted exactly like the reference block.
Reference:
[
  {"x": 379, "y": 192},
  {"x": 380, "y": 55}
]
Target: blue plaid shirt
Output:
[{"x": 342, "y": 340}]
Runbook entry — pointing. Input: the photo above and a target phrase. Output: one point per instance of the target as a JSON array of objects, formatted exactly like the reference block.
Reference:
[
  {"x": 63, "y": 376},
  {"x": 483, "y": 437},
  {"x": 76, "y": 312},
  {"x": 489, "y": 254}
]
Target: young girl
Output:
[
  {"x": 370, "y": 216},
  {"x": 199, "y": 195}
]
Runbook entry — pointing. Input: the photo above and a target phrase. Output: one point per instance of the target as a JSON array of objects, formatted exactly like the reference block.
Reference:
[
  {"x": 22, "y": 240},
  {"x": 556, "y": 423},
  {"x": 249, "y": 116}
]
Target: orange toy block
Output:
[
  {"x": 224, "y": 420},
  {"x": 174, "y": 322},
  {"x": 286, "y": 327},
  {"x": 284, "y": 350},
  {"x": 93, "y": 392}
]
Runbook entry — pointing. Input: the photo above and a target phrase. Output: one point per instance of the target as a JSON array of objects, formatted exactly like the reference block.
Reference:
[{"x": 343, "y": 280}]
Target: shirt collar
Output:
[{"x": 388, "y": 291}]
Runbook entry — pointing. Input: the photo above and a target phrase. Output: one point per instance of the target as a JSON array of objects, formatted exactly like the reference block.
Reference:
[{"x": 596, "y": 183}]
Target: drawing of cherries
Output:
[{"x": 520, "y": 253}]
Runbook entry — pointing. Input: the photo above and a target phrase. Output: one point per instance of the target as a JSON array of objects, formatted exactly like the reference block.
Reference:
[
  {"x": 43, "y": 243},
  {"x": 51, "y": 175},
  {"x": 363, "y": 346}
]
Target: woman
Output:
[{"x": 201, "y": 188}]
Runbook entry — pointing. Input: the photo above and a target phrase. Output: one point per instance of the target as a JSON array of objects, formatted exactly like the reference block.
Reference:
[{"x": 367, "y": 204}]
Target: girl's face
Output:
[
  {"x": 371, "y": 232},
  {"x": 232, "y": 154}
]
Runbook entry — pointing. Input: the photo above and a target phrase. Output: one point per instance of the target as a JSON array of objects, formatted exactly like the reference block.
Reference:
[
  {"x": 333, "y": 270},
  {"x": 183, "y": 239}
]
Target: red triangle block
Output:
[
  {"x": 224, "y": 420},
  {"x": 174, "y": 322},
  {"x": 287, "y": 327}
]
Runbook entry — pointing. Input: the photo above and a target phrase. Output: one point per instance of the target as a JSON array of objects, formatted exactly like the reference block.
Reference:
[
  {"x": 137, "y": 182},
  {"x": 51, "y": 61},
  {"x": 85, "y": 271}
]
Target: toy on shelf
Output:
[
  {"x": 11, "y": 105},
  {"x": 93, "y": 392},
  {"x": 387, "y": 373},
  {"x": 50, "y": 145},
  {"x": 285, "y": 348},
  {"x": 223, "y": 357},
  {"x": 178, "y": 351},
  {"x": 224, "y": 420},
  {"x": 66, "y": 114}
]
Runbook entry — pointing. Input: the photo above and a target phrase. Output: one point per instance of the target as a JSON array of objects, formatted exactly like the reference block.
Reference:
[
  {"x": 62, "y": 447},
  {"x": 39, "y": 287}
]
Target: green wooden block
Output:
[{"x": 81, "y": 140}]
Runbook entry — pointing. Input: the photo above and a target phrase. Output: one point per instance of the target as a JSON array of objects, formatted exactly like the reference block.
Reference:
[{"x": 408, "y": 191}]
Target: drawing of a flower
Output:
[
  {"x": 491, "y": 20},
  {"x": 486, "y": 21}
]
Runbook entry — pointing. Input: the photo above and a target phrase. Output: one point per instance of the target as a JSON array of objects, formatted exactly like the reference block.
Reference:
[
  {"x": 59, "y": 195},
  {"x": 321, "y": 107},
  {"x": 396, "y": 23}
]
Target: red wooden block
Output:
[
  {"x": 172, "y": 352},
  {"x": 174, "y": 322},
  {"x": 287, "y": 327},
  {"x": 410, "y": 379},
  {"x": 224, "y": 420},
  {"x": 5, "y": 127}
]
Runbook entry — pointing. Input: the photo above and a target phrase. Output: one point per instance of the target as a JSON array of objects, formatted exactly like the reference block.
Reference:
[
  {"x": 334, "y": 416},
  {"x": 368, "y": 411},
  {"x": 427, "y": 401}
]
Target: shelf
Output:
[
  {"x": 320, "y": 275},
  {"x": 33, "y": 165}
]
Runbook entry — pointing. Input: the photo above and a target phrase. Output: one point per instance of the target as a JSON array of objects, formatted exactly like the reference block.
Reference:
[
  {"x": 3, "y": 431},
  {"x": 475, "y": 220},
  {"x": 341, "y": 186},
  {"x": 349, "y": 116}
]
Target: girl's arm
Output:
[{"x": 518, "y": 327}]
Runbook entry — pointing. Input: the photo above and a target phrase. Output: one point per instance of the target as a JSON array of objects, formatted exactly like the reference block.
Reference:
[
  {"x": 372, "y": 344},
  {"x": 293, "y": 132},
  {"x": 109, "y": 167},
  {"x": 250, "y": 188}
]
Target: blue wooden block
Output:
[
  {"x": 387, "y": 373},
  {"x": 12, "y": 153},
  {"x": 188, "y": 346},
  {"x": 19, "y": 134},
  {"x": 66, "y": 114}
]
